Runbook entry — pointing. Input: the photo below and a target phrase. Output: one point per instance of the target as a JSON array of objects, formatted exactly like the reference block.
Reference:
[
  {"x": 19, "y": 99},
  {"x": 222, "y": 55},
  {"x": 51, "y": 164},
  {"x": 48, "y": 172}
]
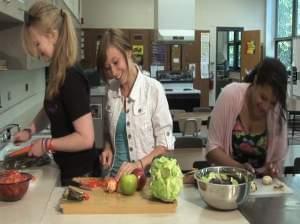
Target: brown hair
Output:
[
  {"x": 115, "y": 38},
  {"x": 46, "y": 17}
]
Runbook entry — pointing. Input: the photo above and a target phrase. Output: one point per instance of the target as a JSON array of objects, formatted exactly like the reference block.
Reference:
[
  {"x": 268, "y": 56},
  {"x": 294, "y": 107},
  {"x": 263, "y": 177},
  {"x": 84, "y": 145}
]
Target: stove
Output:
[
  {"x": 177, "y": 82},
  {"x": 179, "y": 89}
]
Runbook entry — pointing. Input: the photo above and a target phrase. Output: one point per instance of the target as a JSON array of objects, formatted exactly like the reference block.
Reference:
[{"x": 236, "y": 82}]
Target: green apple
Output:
[{"x": 128, "y": 184}]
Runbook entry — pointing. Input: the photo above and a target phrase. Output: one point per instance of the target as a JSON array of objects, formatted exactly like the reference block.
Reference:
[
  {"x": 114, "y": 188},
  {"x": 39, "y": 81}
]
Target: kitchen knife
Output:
[{"x": 79, "y": 185}]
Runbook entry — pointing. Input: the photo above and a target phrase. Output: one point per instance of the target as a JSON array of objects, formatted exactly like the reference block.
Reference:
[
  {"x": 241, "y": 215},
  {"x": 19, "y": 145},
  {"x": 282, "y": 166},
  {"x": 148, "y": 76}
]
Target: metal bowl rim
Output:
[{"x": 249, "y": 174}]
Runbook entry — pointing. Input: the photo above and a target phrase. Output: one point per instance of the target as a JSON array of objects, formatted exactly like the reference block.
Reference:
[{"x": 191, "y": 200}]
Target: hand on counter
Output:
[
  {"x": 126, "y": 168},
  {"x": 271, "y": 170},
  {"x": 106, "y": 157}
]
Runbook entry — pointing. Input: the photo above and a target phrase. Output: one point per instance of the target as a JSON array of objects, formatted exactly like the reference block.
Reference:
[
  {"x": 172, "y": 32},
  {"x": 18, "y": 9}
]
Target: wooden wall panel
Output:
[
  {"x": 142, "y": 37},
  {"x": 191, "y": 55},
  {"x": 90, "y": 46},
  {"x": 248, "y": 60}
]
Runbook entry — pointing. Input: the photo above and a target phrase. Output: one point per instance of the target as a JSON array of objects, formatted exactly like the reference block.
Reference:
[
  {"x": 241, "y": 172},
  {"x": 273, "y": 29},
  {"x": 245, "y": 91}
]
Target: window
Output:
[
  {"x": 298, "y": 18},
  {"x": 284, "y": 18},
  {"x": 284, "y": 53},
  {"x": 287, "y": 27},
  {"x": 234, "y": 50}
]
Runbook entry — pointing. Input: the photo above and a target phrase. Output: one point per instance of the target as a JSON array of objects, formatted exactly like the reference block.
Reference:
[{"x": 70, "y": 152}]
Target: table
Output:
[
  {"x": 190, "y": 209},
  {"x": 293, "y": 104},
  {"x": 275, "y": 210},
  {"x": 293, "y": 108},
  {"x": 192, "y": 115}
]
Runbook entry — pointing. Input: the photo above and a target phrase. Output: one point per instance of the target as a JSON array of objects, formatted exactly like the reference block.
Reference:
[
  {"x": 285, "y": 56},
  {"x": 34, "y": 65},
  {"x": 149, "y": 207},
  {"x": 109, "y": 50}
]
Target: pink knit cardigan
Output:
[{"x": 223, "y": 118}]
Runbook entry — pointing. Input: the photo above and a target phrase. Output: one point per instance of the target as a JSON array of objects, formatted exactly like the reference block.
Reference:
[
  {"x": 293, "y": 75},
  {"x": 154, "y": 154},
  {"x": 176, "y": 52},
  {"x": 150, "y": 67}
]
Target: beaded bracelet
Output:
[{"x": 49, "y": 145}]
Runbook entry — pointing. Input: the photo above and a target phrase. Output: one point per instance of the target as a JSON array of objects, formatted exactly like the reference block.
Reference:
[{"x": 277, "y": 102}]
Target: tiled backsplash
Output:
[{"x": 21, "y": 92}]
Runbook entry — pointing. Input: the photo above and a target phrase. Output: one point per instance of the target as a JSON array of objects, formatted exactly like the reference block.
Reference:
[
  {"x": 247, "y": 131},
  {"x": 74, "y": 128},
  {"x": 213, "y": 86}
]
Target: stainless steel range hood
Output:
[{"x": 174, "y": 20}]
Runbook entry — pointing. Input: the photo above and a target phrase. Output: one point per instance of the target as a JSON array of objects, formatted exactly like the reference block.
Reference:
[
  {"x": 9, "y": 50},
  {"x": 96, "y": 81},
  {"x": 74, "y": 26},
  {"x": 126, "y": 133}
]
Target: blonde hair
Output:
[
  {"x": 112, "y": 38},
  {"x": 46, "y": 18}
]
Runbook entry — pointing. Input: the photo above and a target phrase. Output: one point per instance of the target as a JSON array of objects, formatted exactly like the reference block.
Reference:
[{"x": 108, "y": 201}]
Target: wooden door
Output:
[
  {"x": 91, "y": 41},
  {"x": 251, "y": 51}
]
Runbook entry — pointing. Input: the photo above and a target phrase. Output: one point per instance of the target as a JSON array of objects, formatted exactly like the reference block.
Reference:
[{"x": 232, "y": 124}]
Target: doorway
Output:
[{"x": 228, "y": 56}]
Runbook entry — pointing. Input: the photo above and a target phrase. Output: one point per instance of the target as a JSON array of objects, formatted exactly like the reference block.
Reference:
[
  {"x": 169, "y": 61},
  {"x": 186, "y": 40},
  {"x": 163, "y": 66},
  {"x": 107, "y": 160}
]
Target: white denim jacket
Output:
[{"x": 148, "y": 119}]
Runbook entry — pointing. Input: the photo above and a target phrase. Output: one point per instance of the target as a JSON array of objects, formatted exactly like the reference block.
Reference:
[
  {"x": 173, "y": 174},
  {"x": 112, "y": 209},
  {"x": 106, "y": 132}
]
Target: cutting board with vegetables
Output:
[
  {"x": 277, "y": 188},
  {"x": 101, "y": 202}
]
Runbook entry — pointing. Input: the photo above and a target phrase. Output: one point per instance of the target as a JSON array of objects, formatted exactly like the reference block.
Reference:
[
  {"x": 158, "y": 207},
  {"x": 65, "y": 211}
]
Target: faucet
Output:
[{"x": 5, "y": 134}]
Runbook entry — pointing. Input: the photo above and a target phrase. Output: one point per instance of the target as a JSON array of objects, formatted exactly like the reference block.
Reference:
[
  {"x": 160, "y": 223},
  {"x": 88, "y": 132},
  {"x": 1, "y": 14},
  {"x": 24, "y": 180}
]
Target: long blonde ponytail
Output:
[{"x": 46, "y": 17}]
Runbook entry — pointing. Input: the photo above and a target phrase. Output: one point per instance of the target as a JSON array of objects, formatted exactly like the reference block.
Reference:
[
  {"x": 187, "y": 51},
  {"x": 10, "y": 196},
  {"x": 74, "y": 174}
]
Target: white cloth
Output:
[{"x": 148, "y": 119}]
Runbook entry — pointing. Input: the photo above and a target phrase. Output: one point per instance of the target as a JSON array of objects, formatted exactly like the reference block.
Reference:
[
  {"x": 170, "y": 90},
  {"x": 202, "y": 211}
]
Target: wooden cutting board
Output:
[
  {"x": 101, "y": 202},
  {"x": 269, "y": 190}
]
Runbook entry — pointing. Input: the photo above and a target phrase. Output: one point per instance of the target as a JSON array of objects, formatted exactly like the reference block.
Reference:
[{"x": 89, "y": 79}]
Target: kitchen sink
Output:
[{"x": 10, "y": 147}]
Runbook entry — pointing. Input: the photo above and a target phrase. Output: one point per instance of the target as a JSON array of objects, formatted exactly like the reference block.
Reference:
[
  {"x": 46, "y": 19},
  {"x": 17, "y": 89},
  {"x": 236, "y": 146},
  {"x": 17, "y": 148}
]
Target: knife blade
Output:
[{"x": 79, "y": 185}]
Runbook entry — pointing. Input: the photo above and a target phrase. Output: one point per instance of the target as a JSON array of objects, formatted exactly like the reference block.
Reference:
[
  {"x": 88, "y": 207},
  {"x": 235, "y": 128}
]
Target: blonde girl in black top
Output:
[{"x": 49, "y": 33}]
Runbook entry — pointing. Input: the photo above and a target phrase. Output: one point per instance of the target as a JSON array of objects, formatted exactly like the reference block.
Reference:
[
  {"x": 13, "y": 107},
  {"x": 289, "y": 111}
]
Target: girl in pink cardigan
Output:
[{"x": 248, "y": 127}]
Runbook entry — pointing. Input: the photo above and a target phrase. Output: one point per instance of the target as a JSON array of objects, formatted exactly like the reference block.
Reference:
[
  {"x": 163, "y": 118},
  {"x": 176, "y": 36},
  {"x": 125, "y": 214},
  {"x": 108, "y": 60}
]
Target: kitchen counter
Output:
[
  {"x": 98, "y": 91},
  {"x": 31, "y": 208},
  {"x": 190, "y": 209},
  {"x": 39, "y": 205}
]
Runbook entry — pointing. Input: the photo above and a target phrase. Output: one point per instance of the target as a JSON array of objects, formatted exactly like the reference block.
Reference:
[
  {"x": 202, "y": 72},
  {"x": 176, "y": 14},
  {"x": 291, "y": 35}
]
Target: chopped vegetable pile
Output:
[
  {"x": 223, "y": 178},
  {"x": 166, "y": 179},
  {"x": 12, "y": 176}
]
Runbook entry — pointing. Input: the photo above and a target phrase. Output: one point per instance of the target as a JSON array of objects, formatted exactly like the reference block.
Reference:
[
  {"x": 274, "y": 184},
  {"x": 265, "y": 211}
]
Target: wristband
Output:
[
  {"x": 44, "y": 144},
  {"x": 49, "y": 145}
]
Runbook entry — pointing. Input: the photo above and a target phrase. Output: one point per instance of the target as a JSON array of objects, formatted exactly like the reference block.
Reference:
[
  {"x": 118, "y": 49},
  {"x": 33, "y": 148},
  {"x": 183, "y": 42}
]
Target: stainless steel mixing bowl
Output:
[{"x": 224, "y": 196}]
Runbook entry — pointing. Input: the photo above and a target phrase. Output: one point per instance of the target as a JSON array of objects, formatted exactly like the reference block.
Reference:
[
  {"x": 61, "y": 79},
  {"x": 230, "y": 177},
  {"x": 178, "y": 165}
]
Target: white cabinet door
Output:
[
  {"x": 13, "y": 8},
  {"x": 12, "y": 51}
]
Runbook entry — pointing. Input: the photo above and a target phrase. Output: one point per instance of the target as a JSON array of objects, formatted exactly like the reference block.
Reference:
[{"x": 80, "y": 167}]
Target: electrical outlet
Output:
[
  {"x": 26, "y": 87},
  {"x": 8, "y": 95}
]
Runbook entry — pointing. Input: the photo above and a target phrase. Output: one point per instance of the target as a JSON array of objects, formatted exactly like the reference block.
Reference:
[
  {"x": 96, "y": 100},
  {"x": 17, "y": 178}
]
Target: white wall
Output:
[
  {"x": 118, "y": 14},
  {"x": 140, "y": 13},
  {"x": 23, "y": 105},
  {"x": 249, "y": 14}
]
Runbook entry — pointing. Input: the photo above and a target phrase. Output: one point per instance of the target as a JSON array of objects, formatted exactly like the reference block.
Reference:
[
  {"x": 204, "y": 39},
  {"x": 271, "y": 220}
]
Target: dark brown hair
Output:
[{"x": 272, "y": 72}]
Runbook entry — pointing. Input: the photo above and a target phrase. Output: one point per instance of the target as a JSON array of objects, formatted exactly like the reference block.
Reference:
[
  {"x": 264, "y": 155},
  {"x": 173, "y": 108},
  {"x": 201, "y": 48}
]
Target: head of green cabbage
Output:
[{"x": 166, "y": 179}]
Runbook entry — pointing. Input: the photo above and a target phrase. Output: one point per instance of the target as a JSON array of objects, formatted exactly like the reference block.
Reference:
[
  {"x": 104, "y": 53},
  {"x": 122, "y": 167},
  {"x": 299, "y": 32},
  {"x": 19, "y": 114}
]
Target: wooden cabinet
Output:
[
  {"x": 91, "y": 39},
  {"x": 142, "y": 39}
]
